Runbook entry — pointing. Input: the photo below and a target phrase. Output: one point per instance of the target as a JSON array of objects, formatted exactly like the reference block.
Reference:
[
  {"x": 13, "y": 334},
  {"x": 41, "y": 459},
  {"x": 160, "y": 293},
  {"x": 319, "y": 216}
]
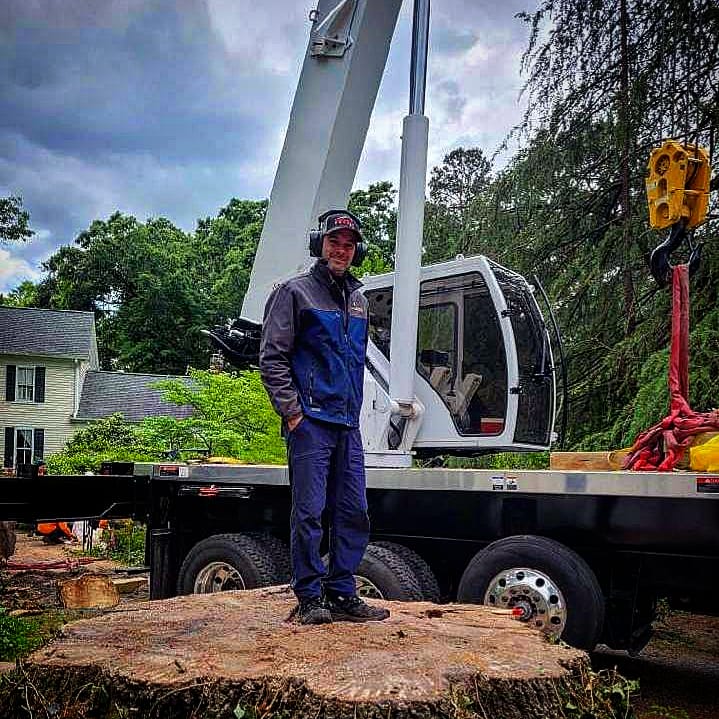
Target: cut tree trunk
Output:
[
  {"x": 236, "y": 654},
  {"x": 7, "y": 540},
  {"x": 91, "y": 591}
]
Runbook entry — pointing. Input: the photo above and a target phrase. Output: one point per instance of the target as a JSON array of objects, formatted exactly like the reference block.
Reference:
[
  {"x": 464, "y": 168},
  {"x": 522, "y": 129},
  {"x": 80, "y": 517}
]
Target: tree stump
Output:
[
  {"x": 7, "y": 540},
  {"x": 91, "y": 591},
  {"x": 236, "y": 655}
]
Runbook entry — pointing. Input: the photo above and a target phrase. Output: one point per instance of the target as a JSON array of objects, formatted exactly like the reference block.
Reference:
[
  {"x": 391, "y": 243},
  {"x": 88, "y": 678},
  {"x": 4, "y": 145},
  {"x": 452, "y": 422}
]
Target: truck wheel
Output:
[
  {"x": 422, "y": 571},
  {"x": 552, "y": 587},
  {"x": 382, "y": 574},
  {"x": 223, "y": 562},
  {"x": 278, "y": 551}
]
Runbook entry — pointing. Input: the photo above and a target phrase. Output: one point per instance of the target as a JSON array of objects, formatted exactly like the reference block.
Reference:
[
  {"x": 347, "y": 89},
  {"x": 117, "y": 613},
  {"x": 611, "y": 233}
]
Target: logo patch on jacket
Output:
[{"x": 356, "y": 308}]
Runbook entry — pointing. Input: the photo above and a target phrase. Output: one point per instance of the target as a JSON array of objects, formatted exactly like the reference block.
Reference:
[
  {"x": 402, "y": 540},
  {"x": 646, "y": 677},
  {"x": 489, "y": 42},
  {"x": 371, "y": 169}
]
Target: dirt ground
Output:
[
  {"x": 678, "y": 670},
  {"x": 34, "y": 589}
]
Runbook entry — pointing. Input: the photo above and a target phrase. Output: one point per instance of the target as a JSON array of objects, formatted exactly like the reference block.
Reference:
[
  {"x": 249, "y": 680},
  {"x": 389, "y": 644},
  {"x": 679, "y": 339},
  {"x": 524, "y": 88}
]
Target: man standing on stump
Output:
[{"x": 314, "y": 338}]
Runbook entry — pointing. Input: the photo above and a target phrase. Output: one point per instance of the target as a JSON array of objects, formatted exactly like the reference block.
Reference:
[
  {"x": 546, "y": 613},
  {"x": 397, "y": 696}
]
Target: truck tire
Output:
[
  {"x": 551, "y": 584},
  {"x": 422, "y": 571},
  {"x": 383, "y": 574},
  {"x": 223, "y": 562},
  {"x": 278, "y": 551}
]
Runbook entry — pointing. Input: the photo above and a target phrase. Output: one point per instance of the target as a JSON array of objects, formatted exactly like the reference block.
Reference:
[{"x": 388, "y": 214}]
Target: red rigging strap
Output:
[{"x": 660, "y": 447}]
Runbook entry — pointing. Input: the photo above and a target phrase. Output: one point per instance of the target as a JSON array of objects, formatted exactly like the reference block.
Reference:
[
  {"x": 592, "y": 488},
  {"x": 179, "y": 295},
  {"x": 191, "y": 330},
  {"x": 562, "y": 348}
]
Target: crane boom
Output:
[
  {"x": 458, "y": 357},
  {"x": 343, "y": 66}
]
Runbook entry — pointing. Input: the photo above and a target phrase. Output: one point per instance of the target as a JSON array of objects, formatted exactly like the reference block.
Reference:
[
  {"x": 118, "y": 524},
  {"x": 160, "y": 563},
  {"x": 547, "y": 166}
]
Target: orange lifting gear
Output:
[{"x": 678, "y": 185}]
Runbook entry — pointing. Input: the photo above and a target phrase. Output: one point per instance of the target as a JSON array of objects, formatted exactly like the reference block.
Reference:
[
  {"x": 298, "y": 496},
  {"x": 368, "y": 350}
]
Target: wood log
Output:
[
  {"x": 7, "y": 540},
  {"x": 128, "y": 585},
  {"x": 90, "y": 591},
  {"x": 236, "y": 654},
  {"x": 587, "y": 461}
]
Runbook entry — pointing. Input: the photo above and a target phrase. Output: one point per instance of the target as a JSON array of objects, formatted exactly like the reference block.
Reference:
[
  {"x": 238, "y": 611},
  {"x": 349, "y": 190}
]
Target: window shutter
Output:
[
  {"x": 38, "y": 443},
  {"x": 9, "y": 446},
  {"x": 39, "y": 384},
  {"x": 10, "y": 383}
]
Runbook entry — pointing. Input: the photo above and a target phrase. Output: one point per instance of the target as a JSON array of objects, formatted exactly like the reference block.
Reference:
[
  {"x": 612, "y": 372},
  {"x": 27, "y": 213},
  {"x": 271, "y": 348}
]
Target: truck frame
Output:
[{"x": 582, "y": 555}]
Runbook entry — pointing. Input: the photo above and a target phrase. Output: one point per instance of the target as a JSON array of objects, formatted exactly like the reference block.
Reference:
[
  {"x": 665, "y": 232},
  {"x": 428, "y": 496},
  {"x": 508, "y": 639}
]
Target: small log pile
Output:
[{"x": 237, "y": 655}]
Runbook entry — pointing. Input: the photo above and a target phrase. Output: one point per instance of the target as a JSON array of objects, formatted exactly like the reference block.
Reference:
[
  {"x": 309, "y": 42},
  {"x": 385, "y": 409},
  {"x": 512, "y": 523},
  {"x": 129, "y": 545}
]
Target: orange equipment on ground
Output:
[{"x": 55, "y": 531}]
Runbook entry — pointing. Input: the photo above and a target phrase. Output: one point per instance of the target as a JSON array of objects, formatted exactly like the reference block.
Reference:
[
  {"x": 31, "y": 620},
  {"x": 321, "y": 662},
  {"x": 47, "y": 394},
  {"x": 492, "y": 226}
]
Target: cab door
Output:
[{"x": 535, "y": 386}]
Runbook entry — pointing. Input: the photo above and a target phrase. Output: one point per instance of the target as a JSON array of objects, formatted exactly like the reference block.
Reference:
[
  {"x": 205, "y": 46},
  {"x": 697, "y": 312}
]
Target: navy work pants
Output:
[{"x": 326, "y": 464}]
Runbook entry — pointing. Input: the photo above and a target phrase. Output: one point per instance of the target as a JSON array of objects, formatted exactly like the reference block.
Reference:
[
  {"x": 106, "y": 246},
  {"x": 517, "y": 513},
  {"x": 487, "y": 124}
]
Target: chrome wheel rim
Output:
[
  {"x": 366, "y": 588},
  {"x": 218, "y": 577},
  {"x": 532, "y": 595}
]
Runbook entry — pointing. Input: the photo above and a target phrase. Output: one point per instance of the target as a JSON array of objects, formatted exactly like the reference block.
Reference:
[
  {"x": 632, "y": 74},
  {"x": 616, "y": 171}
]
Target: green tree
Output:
[
  {"x": 232, "y": 416},
  {"x": 109, "y": 439},
  {"x": 142, "y": 282},
  {"x": 604, "y": 87},
  {"x": 453, "y": 217},
  {"x": 377, "y": 209},
  {"x": 224, "y": 249},
  {"x": 24, "y": 295},
  {"x": 14, "y": 221}
]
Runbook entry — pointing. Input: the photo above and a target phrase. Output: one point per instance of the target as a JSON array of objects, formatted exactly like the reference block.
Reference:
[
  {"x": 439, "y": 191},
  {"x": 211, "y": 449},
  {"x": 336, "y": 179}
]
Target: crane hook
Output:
[{"x": 659, "y": 264}]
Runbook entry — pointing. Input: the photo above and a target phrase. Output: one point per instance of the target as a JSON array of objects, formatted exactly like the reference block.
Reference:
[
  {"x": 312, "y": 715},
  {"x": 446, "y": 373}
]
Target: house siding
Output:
[{"x": 55, "y": 413}]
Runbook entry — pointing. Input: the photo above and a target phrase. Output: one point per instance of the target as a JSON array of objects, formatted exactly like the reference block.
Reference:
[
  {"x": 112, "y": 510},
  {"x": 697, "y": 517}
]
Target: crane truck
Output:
[{"x": 459, "y": 362}]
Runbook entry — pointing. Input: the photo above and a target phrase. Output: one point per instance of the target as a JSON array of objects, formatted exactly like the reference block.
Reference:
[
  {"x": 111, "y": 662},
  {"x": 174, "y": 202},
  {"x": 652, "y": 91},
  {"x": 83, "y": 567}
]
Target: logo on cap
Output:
[
  {"x": 345, "y": 222},
  {"x": 340, "y": 222}
]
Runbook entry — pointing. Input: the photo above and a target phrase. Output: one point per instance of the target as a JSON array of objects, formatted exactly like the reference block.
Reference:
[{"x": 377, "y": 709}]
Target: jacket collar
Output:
[{"x": 321, "y": 272}]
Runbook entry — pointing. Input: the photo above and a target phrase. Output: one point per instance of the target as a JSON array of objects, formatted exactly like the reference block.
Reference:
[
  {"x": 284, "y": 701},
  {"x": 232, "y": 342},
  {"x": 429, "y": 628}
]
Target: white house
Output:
[{"x": 53, "y": 385}]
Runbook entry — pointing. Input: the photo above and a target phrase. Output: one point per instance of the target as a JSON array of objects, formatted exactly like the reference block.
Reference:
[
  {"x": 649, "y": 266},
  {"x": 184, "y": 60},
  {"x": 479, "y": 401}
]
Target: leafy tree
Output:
[
  {"x": 13, "y": 221},
  {"x": 24, "y": 295},
  {"x": 224, "y": 249},
  {"x": 604, "y": 87},
  {"x": 140, "y": 281},
  {"x": 232, "y": 416},
  {"x": 456, "y": 184},
  {"x": 109, "y": 439},
  {"x": 376, "y": 207},
  {"x": 453, "y": 216}
]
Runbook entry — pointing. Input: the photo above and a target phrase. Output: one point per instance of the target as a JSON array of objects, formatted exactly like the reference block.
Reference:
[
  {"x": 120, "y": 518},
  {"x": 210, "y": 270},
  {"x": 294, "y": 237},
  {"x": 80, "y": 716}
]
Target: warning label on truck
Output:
[
  {"x": 708, "y": 485},
  {"x": 502, "y": 483}
]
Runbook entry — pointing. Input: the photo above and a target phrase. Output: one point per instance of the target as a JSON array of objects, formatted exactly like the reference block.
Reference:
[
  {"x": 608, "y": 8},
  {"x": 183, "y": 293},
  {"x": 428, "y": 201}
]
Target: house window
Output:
[
  {"x": 25, "y": 384},
  {"x": 23, "y": 445}
]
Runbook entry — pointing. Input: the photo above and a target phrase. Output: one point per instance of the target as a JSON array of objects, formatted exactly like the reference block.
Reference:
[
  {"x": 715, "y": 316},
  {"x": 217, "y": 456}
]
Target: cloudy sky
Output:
[{"x": 171, "y": 107}]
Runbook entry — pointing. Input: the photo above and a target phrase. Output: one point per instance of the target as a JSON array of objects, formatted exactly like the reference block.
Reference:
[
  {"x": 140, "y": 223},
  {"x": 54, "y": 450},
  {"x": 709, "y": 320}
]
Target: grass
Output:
[
  {"x": 21, "y": 635},
  {"x": 124, "y": 543}
]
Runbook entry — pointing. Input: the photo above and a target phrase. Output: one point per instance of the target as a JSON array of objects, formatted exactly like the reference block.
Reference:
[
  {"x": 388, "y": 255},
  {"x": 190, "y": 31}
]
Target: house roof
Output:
[
  {"x": 105, "y": 393},
  {"x": 51, "y": 333}
]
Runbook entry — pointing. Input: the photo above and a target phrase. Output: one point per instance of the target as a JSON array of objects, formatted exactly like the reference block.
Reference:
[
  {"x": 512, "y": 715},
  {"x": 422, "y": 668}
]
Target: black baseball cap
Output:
[{"x": 342, "y": 221}]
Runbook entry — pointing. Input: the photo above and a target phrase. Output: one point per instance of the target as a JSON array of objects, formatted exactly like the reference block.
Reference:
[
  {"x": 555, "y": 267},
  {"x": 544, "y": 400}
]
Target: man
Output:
[{"x": 312, "y": 354}]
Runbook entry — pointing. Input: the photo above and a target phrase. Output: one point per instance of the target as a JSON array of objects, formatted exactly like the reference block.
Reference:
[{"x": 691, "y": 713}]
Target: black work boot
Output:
[
  {"x": 354, "y": 609},
  {"x": 312, "y": 611}
]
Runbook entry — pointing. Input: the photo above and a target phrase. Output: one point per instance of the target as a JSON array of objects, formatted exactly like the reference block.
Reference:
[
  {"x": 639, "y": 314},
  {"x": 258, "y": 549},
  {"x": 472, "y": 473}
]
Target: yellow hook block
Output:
[{"x": 678, "y": 184}]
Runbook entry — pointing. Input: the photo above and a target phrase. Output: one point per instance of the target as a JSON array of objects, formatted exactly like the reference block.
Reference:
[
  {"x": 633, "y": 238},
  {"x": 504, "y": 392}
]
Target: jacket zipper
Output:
[
  {"x": 312, "y": 385},
  {"x": 346, "y": 322}
]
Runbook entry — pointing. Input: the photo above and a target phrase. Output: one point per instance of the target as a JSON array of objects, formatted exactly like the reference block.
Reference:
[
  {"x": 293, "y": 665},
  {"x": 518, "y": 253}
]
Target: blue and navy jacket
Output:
[{"x": 314, "y": 339}]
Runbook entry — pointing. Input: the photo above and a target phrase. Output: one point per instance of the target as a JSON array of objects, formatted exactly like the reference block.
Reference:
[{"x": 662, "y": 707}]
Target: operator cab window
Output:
[{"x": 460, "y": 348}]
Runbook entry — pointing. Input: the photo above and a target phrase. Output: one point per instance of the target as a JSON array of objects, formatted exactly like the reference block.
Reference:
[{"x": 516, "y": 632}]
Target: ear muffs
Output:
[
  {"x": 316, "y": 243},
  {"x": 316, "y": 237},
  {"x": 360, "y": 254}
]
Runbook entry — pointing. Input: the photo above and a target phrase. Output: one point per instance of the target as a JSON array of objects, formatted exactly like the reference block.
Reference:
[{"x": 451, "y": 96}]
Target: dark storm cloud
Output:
[
  {"x": 150, "y": 107},
  {"x": 171, "y": 107},
  {"x": 148, "y": 81},
  {"x": 473, "y": 82}
]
